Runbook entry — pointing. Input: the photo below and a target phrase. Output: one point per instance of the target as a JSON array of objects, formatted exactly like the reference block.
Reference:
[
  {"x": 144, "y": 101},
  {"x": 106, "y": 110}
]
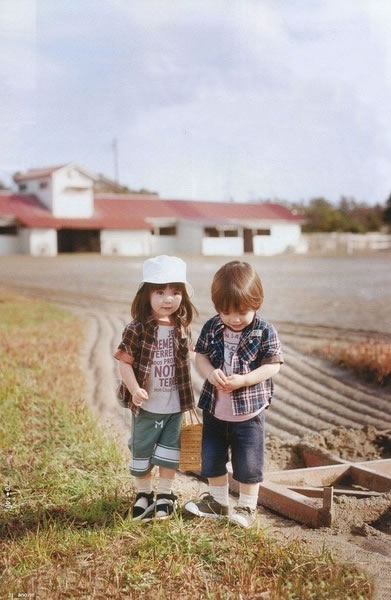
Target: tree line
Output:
[{"x": 348, "y": 215}]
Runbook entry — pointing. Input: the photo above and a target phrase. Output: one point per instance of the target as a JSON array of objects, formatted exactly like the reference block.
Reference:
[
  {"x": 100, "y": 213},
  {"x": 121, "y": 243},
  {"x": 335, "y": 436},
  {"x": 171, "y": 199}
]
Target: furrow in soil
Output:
[{"x": 332, "y": 406}]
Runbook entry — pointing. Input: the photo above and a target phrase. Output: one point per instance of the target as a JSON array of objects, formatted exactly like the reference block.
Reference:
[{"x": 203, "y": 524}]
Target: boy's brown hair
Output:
[
  {"x": 236, "y": 286},
  {"x": 141, "y": 307}
]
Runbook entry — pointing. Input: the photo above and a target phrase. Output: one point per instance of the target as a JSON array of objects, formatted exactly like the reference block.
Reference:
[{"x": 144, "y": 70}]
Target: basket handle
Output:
[{"x": 191, "y": 417}]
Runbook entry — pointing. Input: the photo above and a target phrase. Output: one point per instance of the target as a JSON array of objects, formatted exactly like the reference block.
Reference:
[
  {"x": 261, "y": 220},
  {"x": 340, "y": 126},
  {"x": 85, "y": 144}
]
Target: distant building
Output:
[{"x": 57, "y": 210}]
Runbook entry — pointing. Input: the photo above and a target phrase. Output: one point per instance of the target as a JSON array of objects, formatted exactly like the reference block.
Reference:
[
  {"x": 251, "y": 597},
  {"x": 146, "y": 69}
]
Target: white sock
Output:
[
  {"x": 144, "y": 484},
  {"x": 250, "y": 501},
  {"x": 164, "y": 486},
  {"x": 220, "y": 493}
]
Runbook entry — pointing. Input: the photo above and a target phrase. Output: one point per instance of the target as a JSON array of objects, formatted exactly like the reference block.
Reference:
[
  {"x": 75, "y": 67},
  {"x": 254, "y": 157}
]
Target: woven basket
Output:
[{"x": 191, "y": 438}]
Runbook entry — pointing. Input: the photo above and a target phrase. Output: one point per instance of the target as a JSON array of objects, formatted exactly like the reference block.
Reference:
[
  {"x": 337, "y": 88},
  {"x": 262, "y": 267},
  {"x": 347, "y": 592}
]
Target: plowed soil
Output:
[{"x": 315, "y": 402}]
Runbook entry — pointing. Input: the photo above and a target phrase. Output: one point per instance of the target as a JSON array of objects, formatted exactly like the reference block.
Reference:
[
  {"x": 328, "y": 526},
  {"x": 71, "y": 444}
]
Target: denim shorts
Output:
[{"x": 245, "y": 439}]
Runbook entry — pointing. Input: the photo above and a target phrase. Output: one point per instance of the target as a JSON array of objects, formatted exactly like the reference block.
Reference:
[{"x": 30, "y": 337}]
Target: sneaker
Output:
[
  {"x": 143, "y": 507},
  {"x": 207, "y": 507},
  {"x": 243, "y": 516},
  {"x": 165, "y": 506}
]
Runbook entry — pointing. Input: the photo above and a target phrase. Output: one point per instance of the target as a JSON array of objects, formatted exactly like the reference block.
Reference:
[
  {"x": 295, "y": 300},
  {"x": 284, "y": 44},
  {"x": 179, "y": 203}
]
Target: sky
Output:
[{"x": 208, "y": 99}]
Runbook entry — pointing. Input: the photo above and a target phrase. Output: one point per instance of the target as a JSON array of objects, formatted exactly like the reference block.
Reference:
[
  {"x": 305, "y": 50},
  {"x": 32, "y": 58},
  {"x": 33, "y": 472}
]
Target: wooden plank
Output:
[
  {"x": 315, "y": 458},
  {"x": 326, "y": 514},
  {"x": 317, "y": 476},
  {"x": 370, "y": 479},
  {"x": 328, "y": 493},
  {"x": 312, "y": 476},
  {"x": 317, "y": 492},
  {"x": 383, "y": 465},
  {"x": 278, "y": 490},
  {"x": 294, "y": 505}
]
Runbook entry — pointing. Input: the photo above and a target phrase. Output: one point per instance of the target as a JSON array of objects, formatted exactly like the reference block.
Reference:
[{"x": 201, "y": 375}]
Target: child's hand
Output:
[
  {"x": 217, "y": 378},
  {"x": 139, "y": 396},
  {"x": 234, "y": 382}
]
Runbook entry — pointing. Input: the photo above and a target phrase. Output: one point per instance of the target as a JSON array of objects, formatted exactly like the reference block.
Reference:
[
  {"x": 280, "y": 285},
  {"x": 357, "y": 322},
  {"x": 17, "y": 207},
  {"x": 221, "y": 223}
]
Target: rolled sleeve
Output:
[
  {"x": 124, "y": 356},
  {"x": 129, "y": 345},
  {"x": 271, "y": 347}
]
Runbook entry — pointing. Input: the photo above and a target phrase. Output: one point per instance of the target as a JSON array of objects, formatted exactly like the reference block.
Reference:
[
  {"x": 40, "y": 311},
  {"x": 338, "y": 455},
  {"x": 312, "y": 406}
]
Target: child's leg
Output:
[
  {"x": 166, "y": 480},
  {"x": 245, "y": 514},
  {"x": 166, "y": 457},
  {"x": 144, "y": 484},
  {"x": 248, "y": 495},
  {"x": 144, "y": 504},
  {"x": 215, "y": 444},
  {"x": 218, "y": 489},
  {"x": 214, "y": 503},
  {"x": 166, "y": 501},
  {"x": 141, "y": 444},
  {"x": 247, "y": 465}
]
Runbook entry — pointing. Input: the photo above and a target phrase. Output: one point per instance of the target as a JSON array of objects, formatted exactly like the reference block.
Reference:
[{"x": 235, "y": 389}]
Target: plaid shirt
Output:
[
  {"x": 258, "y": 345},
  {"x": 138, "y": 345}
]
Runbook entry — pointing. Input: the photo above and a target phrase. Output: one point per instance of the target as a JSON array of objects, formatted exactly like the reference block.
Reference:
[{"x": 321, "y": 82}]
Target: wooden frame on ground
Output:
[{"x": 292, "y": 492}]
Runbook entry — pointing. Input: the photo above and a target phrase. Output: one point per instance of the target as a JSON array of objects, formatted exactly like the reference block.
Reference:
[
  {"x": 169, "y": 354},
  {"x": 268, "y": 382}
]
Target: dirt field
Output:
[{"x": 307, "y": 298}]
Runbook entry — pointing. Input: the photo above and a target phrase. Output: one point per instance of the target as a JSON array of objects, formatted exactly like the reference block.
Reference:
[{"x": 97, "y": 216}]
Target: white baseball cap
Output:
[{"x": 165, "y": 269}]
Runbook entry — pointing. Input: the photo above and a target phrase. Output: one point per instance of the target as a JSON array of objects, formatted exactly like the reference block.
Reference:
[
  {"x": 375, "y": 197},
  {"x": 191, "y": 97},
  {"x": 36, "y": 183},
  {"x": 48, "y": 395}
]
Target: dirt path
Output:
[
  {"x": 310, "y": 396},
  {"x": 308, "y": 399}
]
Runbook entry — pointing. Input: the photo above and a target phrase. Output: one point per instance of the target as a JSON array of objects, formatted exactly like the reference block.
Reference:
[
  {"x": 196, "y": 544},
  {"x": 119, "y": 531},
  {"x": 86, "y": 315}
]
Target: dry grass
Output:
[
  {"x": 63, "y": 533},
  {"x": 370, "y": 360}
]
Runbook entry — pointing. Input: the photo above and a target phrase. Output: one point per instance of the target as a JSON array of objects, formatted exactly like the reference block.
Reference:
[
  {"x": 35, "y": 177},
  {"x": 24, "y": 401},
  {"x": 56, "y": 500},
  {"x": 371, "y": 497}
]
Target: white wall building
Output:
[
  {"x": 67, "y": 191},
  {"x": 56, "y": 210}
]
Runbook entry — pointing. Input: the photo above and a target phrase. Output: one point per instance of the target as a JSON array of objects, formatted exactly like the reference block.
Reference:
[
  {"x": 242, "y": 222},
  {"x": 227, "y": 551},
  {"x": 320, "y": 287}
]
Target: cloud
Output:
[
  {"x": 220, "y": 147},
  {"x": 241, "y": 98},
  {"x": 17, "y": 44}
]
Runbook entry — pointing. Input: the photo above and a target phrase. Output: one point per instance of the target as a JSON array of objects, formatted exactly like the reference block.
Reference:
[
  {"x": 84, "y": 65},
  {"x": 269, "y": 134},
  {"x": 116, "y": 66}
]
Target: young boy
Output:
[{"x": 238, "y": 353}]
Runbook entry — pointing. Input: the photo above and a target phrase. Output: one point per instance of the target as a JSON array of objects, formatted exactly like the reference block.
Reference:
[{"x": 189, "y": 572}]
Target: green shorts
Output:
[{"x": 155, "y": 440}]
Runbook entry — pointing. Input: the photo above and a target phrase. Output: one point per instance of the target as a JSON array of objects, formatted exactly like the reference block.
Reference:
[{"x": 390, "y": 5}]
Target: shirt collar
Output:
[
  {"x": 254, "y": 323},
  {"x": 152, "y": 324}
]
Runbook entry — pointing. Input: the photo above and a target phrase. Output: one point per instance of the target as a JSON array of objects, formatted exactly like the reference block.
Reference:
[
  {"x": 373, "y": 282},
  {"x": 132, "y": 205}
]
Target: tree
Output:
[
  {"x": 387, "y": 211},
  {"x": 320, "y": 215},
  {"x": 348, "y": 215}
]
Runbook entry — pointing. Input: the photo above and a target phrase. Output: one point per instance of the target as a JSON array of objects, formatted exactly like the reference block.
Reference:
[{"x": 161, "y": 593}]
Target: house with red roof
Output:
[{"x": 58, "y": 209}]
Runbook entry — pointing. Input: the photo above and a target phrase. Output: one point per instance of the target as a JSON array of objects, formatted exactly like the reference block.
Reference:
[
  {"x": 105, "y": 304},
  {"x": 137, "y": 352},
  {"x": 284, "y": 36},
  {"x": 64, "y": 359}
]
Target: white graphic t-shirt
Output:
[
  {"x": 223, "y": 409},
  {"x": 162, "y": 388}
]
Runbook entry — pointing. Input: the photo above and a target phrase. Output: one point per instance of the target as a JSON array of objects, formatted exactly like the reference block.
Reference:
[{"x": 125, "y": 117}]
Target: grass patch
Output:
[
  {"x": 369, "y": 359},
  {"x": 62, "y": 528}
]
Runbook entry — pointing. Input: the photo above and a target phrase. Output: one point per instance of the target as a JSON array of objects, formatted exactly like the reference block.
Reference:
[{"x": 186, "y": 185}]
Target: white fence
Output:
[{"x": 346, "y": 243}]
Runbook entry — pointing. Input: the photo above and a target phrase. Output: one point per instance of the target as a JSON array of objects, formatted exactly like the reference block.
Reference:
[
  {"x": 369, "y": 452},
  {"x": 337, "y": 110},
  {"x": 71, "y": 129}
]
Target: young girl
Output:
[
  {"x": 156, "y": 383},
  {"x": 237, "y": 353}
]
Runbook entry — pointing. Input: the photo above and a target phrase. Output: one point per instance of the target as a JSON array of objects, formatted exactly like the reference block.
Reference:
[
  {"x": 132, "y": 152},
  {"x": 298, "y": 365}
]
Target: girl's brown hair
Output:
[
  {"x": 236, "y": 287},
  {"x": 141, "y": 307}
]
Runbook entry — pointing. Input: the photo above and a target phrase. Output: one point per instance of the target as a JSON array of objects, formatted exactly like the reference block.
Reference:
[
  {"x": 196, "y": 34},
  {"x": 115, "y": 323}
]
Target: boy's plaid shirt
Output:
[
  {"x": 138, "y": 343},
  {"x": 258, "y": 345}
]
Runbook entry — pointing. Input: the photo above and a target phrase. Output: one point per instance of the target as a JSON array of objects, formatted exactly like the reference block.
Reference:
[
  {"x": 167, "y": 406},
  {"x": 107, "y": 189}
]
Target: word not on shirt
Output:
[{"x": 164, "y": 362}]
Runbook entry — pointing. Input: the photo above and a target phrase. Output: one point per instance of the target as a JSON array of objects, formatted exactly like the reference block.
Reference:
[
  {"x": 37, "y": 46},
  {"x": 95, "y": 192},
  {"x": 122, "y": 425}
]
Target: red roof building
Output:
[{"x": 60, "y": 200}]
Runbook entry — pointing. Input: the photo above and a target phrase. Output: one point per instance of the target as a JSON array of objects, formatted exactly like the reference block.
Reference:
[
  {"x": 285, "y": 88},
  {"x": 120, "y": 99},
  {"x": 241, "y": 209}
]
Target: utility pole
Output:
[{"x": 115, "y": 157}]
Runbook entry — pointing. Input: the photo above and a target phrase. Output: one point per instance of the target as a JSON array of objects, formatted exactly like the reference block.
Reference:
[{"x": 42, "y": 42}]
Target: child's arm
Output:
[
  {"x": 129, "y": 378},
  {"x": 262, "y": 373},
  {"x": 215, "y": 376}
]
